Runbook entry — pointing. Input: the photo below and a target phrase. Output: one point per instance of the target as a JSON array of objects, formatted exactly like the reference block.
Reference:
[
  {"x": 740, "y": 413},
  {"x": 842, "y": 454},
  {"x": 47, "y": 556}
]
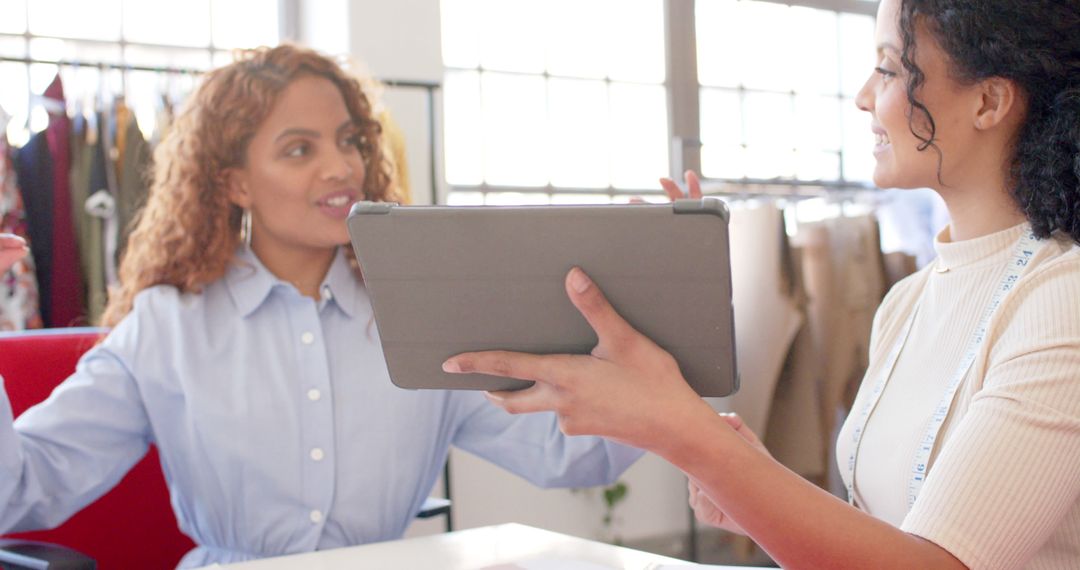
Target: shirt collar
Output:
[
  {"x": 957, "y": 254},
  {"x": 341, "y": 284},
  {"x": 250, "y": 283}
]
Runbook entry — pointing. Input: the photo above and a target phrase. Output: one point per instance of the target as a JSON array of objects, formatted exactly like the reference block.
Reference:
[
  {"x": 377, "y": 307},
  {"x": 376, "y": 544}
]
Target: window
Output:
[
  {"x": 777, "y": 92},
  {"x": 159, "y": 34},
  {"x": 567, "y": 101},
  {"x": 553, "y": 100}
]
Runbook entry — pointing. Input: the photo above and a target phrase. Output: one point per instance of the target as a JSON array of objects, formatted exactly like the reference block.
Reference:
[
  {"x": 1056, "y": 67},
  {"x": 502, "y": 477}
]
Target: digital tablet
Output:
[{"x": 450, "y": 279}]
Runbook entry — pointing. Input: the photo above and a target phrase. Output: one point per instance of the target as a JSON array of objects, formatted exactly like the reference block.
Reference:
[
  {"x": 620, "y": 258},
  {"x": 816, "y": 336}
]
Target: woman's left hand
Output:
[{"x": 627, "y": 389}]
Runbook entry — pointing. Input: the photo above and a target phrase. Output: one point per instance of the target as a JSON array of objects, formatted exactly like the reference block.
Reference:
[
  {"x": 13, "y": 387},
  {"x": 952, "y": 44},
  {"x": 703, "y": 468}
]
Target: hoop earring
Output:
[{"x": 245, "y": 228}]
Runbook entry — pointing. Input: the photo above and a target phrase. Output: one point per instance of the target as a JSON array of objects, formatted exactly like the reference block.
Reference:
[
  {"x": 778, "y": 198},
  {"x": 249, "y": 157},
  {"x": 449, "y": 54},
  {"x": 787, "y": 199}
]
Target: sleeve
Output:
[
  {"x": 70, "y": 449},
  {"x": 1007, "y": 478},
  {"x": 532, "y": 446}
]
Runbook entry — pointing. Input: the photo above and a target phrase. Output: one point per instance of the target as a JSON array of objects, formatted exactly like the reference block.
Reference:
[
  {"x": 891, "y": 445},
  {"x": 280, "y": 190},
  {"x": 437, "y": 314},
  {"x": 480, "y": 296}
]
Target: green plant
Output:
[{"x": 613, "y": 495}]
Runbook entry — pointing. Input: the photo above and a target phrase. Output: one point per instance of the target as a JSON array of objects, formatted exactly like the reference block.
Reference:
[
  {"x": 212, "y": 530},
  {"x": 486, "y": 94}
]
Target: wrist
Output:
[{"x": 685, "y": 436}]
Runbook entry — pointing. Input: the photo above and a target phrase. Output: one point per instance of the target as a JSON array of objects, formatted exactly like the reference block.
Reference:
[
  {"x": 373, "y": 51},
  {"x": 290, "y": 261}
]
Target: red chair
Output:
[{"x": 131, "y": 526}]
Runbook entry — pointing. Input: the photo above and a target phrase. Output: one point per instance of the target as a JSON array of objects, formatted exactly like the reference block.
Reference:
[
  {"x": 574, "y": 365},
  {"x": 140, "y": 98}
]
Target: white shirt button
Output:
[
  {"x": 313, "y": 394},
  {"x": 327, "y": 293},
  {"x": 307, "y": 338},
  {"x": 317, "y": 454},
  {"x": 315, "y": 516}
]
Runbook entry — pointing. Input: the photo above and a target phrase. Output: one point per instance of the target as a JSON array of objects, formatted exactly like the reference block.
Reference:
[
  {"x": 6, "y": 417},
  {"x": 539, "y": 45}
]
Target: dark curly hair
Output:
[{"x": 1035, "y": 44}]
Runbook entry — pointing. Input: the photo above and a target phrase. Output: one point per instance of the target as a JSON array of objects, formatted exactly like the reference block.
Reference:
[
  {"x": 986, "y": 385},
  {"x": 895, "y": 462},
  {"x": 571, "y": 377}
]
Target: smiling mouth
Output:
[
  {"x": 881, "y": 139},
  {"x": 336, "y": 201}
]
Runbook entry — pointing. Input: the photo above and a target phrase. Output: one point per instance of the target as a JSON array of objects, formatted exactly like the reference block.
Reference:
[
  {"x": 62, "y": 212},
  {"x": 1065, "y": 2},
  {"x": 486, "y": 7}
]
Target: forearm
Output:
[{"x": 797, "y": 523}]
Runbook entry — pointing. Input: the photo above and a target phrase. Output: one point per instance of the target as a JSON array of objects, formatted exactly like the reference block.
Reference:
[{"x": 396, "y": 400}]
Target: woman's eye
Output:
[
  {"x": 884, "y": 73},
  {"x": 351, "y": 140},
  {"x": 297, "y": 150}
]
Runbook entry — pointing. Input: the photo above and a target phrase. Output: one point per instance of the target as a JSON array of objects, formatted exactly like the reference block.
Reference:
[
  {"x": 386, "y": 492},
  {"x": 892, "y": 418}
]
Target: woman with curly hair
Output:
[
  {"x": 243, "y": 344},
  {"x": 963, "y": 447}
]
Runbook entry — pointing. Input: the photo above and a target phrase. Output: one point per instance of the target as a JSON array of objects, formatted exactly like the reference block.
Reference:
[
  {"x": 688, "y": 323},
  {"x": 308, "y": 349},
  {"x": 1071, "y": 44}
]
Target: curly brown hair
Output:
[{"x": 189, "y": 231}]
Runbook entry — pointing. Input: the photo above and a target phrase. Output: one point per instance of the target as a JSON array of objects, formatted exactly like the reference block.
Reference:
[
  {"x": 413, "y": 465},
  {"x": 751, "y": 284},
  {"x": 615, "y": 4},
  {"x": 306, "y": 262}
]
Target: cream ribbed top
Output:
[{"x": 1003, "y": 489}]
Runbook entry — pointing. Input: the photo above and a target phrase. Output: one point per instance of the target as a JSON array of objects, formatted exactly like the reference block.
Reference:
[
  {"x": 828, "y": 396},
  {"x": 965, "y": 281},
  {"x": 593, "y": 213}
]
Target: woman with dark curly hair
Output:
[
  {"x": 244, "y": 344},
  {"x": 963, "y": 447}
]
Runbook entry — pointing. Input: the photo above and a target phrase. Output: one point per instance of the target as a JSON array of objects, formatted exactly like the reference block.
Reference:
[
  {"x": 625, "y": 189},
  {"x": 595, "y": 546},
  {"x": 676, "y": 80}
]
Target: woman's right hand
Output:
[
  {"x": 12, "y": 249},
  {"x": 705, "y": 509}
]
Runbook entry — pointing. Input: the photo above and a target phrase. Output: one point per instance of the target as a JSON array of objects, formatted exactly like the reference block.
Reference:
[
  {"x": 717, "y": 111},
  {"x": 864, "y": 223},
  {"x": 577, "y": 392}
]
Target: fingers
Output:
[
  {"x": 539, "y": 397},
  {"x": 501, "y": 363},
  {"x": 742, "y": 429},
  {"x": 12, "y": 249},
  {"x": 671, "y": 189},
  {"x": 612, "y": 330},
  {"x": 693, "y": 184},
  {"x": 11, "y": 241}
]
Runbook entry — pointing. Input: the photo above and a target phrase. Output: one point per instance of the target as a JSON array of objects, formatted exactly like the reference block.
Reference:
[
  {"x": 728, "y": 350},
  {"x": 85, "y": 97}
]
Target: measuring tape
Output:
[{"x": 1021, "y": 255}]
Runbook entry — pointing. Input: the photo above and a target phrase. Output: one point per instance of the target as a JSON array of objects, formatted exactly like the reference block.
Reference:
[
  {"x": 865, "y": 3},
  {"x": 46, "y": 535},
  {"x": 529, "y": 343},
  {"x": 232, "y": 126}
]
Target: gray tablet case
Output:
[{"x": 445, "y": 280}]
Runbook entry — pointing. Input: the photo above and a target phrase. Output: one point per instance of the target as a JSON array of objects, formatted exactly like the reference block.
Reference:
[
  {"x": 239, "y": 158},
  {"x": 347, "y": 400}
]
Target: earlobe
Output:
[
  {"x": 237, "y": 188},
  {"x": 999, "y": 98}
]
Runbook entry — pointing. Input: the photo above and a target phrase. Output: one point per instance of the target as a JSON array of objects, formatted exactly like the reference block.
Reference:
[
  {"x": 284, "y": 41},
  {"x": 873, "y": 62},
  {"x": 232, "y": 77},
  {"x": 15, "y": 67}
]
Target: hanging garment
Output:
[
  {"x": 66, "y": 288},
  {"x": 18, "y": 286},
  {"x": 767, "y": 314},
  {"x": 34, "y": 171},
  {"x": 134, "y": 171},
  {"x": 845, "y": 281},
  {"x": 87, "y": 177},
  {"x": 795, "y": 435}
]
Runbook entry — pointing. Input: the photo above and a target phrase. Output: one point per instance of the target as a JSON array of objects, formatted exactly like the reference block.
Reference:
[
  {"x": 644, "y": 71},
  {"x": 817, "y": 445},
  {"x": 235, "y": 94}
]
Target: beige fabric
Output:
[
  {"x": 767, "y": 315},
  {"x": 844, "y": 280},
  {"x": 898, "y": 265},
  {"x": 794, "y": 435},
  {"x": 1004, "y": 477}
]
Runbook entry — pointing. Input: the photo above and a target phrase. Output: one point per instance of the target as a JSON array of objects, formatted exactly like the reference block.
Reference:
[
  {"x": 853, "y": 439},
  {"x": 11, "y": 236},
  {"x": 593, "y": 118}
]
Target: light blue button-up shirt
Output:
[{"x": 278, "y": 428}]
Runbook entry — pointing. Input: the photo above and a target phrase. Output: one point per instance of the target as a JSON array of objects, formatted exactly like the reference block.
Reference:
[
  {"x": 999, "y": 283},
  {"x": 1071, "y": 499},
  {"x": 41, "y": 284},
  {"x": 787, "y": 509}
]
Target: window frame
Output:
[{"x": 683, "y": 115}]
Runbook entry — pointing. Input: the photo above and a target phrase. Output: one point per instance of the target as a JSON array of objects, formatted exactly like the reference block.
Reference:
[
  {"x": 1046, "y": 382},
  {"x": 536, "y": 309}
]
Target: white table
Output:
[{"x": 473, "y": 549}]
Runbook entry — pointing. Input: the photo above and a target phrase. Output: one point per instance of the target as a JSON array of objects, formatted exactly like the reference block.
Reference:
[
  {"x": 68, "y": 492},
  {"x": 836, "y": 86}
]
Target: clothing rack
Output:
[{"x": 429, "y": 87}]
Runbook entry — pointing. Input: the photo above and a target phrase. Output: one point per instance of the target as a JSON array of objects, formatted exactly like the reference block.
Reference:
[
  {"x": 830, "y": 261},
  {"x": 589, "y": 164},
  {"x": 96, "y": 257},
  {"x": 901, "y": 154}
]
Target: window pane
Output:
[
  {"x": 245, "y": 23},
  {"x": 74, "y": 50},
  {"x": 768, "y": 119},
  {"x": 516, "y": 199},
  {"x": 721, "y": 117},
  {"x": 856, "y": 52},
  {"x": 638, "y": 134},
  {"x": 719, "y": 35},
  {"x": 12, "y": 47},
  {"x": 580, "y": 199},
  {"x": 14, "y": 90},
  {"x": 858, "y": 144},
  {"x": 76, "y": 19},
  {"x": 464, "y": 140},
  {"x": 767, "y": 47},
  {"x": 637, "y": 40},
  {"x": 576, "y": 46},
  {"x": 723, "y": 160},
  {"x": 766, "y": 162},
  {"x": 461, "y": 32},
  {"x": 187, "y": 26},
  {"x": 578, "y": 120},
  {"x": 817, "y": 165},
  {"x": 14, "y": 19},
  {"x": 190, "y": 58},
  {"x": 510, "y": 39},
  {"x": 817, "y": 122},
  {"x": 514, "y": 112},
  {"x": 222, "y": 58},
  {"x": 812, "y": 49},
  {"x": 457, "y": 198}
]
